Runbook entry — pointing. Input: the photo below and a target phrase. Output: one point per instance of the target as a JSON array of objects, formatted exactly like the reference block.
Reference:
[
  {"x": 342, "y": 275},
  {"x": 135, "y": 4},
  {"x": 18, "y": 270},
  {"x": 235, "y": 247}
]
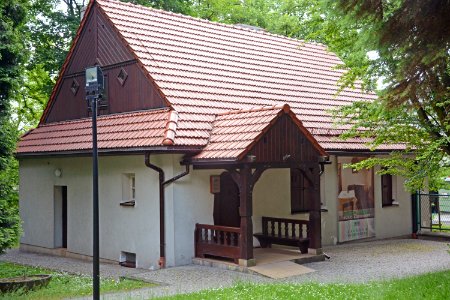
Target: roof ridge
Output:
[
  {"x": 233, "y": 26},
  {"x": 284, "y": 107}
]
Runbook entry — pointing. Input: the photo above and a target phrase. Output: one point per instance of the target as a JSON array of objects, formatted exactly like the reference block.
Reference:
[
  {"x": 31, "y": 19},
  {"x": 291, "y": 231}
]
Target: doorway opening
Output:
[
  {"x": 60, "y": 216},
  {"x": 226, "y": 203}
]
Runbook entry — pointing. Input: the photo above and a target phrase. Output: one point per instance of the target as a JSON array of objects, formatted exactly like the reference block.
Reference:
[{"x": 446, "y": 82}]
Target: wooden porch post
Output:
[
  {"x": 315, "y": 229},
  {"x": 245, "y": 211}
]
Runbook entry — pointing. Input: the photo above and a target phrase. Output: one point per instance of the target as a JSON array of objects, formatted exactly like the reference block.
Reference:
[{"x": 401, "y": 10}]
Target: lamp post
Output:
[{"x": 94, "y": 88}]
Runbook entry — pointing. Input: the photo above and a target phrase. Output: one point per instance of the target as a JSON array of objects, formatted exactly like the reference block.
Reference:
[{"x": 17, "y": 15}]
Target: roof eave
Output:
[{"x": 113, "y": 151}]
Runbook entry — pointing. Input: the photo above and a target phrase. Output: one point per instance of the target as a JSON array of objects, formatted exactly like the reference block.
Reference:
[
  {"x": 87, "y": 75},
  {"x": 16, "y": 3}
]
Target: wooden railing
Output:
[
  {"x": 219, "y": 241},
  {"x": 285, "y": 227},
  {"x": 282, "y": 231}
]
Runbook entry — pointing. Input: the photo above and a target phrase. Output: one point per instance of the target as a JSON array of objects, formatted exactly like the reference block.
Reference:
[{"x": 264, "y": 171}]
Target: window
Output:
[
  {"x": 300, "y": 192},
  {"x": 386, "y": 190},
  {"x": 128, "y": 259},
  {"x": 128, "y": 190}
]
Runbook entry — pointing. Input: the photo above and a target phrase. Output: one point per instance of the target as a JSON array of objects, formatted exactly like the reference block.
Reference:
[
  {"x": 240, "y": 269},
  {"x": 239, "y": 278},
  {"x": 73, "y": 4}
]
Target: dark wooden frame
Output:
[{"x": 386, "y": 190}]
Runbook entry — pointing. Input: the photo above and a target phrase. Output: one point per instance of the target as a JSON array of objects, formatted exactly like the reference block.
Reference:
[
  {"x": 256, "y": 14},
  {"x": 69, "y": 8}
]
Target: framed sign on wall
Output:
[{"x": 214, "y": 184}]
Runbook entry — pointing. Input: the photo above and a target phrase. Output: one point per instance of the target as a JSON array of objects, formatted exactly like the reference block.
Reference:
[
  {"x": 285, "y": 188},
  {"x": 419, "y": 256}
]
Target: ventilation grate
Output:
[
  {"x": 122, "y": 76},
  {"x": 74, "y": 86}
]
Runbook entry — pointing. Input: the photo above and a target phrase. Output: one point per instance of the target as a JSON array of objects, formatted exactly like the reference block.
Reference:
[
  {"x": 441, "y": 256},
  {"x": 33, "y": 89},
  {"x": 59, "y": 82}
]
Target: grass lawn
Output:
[
  {"x": 63, "y": 285},
  {"x": 428, "y": 286}
]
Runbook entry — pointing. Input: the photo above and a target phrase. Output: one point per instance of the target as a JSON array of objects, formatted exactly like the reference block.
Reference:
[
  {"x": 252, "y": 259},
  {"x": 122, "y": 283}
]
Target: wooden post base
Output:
[
  {"x": 247, "y": 262},
  {"x": 315, "y": 251}
]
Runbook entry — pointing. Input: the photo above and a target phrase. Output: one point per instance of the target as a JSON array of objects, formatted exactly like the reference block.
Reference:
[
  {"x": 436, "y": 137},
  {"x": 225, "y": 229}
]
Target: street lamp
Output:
[{"x": 94, "y": 89}]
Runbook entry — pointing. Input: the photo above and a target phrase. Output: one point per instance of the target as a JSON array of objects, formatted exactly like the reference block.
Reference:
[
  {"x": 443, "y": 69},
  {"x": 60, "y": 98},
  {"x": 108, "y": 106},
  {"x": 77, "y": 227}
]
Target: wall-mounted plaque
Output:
[{"x": 214, "y": 184}]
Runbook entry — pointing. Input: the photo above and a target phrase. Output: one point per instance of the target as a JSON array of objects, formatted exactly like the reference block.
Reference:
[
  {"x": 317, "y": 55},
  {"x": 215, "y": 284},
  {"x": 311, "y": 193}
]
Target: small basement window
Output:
[
  {"x": 128, "y": 189},
  {"x": 127, "y": 259}
]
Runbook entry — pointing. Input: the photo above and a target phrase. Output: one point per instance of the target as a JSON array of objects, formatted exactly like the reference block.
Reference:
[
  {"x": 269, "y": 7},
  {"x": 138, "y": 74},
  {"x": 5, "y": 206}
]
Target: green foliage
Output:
[
  {"x": 418, "y": 159},
  {"x": 9, "y": 216},
  {"x": 409, "y": 43},
  {"x": 176, "y": 6},
  {"x": 52, "y": 26},
  {"x": 12, "y": 55},
  {"x": 428, "y": 286},
  {"x": 12, "y": 16},
  {"x": 31, "y": 97},
  {"x": 63, "y": 285}
]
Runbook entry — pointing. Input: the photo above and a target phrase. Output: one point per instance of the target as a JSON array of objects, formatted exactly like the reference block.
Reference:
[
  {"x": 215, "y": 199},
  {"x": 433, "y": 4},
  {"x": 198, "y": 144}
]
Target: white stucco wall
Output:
[
  {"x": 131, "y": 229},
  {"x": 391, "y": 221},
  {"x": 188, "y": 201},
  {"x": 272, "y": 198},
  {"x": 328, "y": 194},
  {"x": 193, "y": 203},
  {"x": 36, "y": 202}
]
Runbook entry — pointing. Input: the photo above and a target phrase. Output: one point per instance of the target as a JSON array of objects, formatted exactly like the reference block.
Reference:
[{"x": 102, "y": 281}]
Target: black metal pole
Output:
[{"x": 96, "y": 252}]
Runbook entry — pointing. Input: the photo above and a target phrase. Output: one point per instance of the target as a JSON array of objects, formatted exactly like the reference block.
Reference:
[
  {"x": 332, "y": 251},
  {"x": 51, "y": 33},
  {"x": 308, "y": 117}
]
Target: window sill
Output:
[{"x": 128, "y": 203}]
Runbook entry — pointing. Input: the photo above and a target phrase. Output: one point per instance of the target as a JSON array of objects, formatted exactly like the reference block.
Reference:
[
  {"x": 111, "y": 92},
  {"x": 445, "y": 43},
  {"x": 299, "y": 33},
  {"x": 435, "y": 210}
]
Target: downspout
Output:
[
  {"x": 162, "y": 228},
  {"x": 323, "y": 160}
]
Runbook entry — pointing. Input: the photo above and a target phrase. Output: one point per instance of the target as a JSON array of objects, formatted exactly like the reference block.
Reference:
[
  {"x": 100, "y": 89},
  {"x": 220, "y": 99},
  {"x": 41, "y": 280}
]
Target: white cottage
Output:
[{"x": 208, "y": 134}]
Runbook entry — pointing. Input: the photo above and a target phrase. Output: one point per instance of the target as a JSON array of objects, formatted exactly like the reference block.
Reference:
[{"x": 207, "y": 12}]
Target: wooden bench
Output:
[{"x": 286, "y": 232}]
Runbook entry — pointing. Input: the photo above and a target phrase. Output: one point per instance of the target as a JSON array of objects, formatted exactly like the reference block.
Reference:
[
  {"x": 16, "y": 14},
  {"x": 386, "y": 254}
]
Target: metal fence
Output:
[{"x": 434, "y": 212}]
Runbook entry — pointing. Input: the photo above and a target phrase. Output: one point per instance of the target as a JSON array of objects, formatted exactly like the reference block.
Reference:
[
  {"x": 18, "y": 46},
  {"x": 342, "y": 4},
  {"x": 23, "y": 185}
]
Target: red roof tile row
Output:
[
  {"x": 127, "y": 130},
  {"x": 234, "y": 132},
  {"x": 204, "y": 70}
]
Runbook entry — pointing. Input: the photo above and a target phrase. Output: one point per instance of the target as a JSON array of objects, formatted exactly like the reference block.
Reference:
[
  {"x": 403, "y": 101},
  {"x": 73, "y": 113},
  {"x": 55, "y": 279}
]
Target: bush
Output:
[{"x": 9, "y": 213}]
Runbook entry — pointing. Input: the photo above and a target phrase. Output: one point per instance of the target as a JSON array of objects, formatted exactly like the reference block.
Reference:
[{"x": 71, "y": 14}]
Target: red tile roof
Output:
[
  {"x": 133, "y": 130},
  {"x": 235, "y": 132},
  {"x": 205, "y": 68}
]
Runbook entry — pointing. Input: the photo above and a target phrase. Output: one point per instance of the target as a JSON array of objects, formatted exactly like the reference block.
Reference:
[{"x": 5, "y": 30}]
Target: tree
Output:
[
  {"x": 409, "y": 46},
  {"x": 12, "y": 17},
  {"x": 176, "y": 6}
]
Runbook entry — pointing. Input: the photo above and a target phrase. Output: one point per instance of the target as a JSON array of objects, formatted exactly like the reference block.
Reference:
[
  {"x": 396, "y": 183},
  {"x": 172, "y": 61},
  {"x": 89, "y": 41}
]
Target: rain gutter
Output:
[{"x": 162, "y": 184}]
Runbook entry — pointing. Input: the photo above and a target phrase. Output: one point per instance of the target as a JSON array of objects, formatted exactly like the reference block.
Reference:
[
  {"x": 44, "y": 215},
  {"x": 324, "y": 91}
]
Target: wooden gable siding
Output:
[
  {"x": 100, "y": 44},
  {"x": 284, "y": 138}
]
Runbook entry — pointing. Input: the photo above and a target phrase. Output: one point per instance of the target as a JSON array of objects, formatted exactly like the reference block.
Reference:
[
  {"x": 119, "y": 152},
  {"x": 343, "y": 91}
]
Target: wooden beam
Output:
[
  {"x": 257, "y": 174},
  {"x": 314, "y": 228},
  {"x": 245, "y": 211}
]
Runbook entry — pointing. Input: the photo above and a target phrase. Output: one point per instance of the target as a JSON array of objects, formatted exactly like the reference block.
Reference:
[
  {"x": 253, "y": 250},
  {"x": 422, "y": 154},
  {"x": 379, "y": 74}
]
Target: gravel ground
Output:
[
  {"x": 353, "y": 262},
  {"x": 69, "y": 265}
]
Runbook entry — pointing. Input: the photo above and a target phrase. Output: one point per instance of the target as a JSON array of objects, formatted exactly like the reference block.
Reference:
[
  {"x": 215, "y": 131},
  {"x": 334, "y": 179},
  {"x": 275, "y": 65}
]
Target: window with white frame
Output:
[{"x": 128, "y": 189}]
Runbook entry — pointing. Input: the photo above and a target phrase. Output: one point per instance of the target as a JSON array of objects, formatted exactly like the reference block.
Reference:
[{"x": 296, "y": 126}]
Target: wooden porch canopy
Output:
[{"x": 246, "y": 143}]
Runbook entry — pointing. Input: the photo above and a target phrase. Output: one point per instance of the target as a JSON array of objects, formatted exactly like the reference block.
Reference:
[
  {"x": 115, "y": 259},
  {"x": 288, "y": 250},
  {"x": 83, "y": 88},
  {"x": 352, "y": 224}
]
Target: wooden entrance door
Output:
[{"x": 226, "y": 203}]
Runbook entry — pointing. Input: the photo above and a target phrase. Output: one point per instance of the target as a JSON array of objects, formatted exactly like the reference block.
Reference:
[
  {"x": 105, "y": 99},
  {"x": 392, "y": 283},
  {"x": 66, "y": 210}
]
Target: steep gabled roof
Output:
[
  {"x": 236, "y": 132},
  {"x": 205, "y": 68}
]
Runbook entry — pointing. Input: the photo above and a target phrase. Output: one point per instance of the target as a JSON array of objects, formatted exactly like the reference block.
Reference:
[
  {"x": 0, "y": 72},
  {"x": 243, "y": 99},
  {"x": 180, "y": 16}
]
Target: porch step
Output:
[{"x": 266, "y": 257}]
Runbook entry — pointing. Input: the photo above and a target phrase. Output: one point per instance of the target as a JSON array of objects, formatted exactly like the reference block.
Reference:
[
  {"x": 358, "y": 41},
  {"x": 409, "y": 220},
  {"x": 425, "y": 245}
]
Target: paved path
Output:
[{"x": 354, "y": 262}]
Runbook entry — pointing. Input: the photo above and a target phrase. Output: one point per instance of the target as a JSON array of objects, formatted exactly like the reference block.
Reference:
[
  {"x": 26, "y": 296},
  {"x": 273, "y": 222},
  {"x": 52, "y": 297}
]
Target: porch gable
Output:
[{"x": 264, "y": 135}]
